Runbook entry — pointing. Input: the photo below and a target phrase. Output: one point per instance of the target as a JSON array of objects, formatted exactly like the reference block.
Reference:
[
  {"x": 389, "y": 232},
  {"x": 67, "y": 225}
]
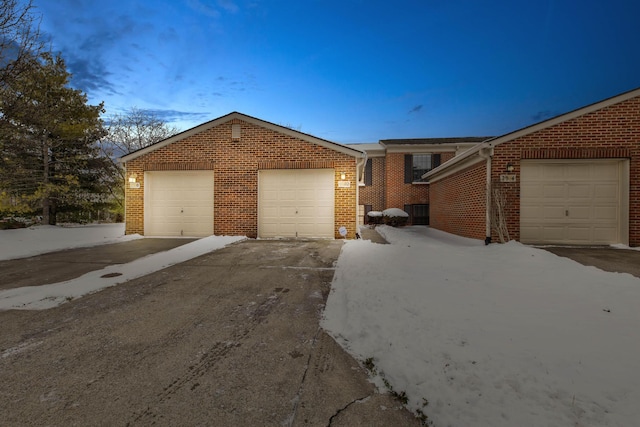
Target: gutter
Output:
[
  {"x": 361, "y": 163},
  {"x": 487, "y": 154}
]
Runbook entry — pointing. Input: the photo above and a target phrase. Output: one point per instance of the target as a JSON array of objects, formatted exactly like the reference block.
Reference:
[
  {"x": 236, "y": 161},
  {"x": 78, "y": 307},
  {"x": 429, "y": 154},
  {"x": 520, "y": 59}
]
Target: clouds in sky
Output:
[
  {"x": 138, "y": 53},
  {"x": 343, "y": 68}
]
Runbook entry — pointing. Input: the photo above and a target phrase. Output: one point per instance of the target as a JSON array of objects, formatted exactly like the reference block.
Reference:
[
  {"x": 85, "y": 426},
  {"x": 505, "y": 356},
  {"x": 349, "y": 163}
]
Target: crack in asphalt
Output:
[
  {"x": 339, "y": 411},
  {"x": 296, "y": 399}
]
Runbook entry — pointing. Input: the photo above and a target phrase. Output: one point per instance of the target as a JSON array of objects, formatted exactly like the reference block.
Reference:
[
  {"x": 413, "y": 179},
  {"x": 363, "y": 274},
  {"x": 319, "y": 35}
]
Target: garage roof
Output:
[
  {"x": 249, "y": 119},
  {"x": 468, "y": 156}
]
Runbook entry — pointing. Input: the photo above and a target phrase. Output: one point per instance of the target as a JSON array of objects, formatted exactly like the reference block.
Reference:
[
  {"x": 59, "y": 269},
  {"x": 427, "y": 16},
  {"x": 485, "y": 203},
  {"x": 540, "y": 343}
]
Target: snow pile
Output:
[
  {"x": 52, "y": 295},
  {"x": 498, "y": 335},
  {"x": 36, "y": 240},
  {"x": 374, "y": 214},
  {"x": 395, "y": 212}
]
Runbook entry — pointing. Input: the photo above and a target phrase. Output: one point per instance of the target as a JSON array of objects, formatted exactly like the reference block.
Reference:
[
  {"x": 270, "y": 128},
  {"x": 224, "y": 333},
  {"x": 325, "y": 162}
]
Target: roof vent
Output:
[{"x": 235, "y": 131}]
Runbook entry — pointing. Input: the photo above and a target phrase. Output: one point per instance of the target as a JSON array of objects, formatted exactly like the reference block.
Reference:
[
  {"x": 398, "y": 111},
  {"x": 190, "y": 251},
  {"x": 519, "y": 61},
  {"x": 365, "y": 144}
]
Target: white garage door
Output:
[
  {"x": 571, "y": 202},
  {"x": 178, "y": 203},
  {"x": 296, "y": 203}
]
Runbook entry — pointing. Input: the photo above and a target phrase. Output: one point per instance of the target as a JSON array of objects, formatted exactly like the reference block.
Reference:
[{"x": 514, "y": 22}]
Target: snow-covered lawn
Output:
[
  {"x": 26, "y": 242},
  {"x": 36, "y": 240},
  {"x": 498, "y": 335}
]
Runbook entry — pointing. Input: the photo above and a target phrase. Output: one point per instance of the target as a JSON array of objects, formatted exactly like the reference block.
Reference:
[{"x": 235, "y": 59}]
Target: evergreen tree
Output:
[{"x": 49, "y": 156}]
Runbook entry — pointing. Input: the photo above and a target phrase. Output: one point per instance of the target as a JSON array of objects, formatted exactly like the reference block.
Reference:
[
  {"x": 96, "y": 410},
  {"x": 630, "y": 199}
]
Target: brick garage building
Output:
[
  {"x": 572, "y": 179},
  {"x": 239, "y": 175}
]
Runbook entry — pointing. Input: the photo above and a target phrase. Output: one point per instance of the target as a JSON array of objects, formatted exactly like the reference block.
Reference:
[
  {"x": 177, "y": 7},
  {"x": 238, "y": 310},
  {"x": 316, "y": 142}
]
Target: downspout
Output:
[
  {"x": 360, "y": 168},
  {"x": 487, "y": 153},
  {"x": 124, "y": 202}
]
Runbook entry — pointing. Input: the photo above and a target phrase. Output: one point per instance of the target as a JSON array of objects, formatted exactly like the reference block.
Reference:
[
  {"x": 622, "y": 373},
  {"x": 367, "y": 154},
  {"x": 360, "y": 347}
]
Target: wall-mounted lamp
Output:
[
  {"x": 132, "y": 178},
  {"x": 343, "y": 175},
  {"x": 510, "y": 167}
]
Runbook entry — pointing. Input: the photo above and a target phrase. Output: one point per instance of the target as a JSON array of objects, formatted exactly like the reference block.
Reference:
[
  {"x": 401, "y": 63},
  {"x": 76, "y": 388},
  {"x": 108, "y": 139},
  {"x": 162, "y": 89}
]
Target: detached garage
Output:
[
  {"x": 573, "y": 179},
  {"x": 239, "y": 175}
]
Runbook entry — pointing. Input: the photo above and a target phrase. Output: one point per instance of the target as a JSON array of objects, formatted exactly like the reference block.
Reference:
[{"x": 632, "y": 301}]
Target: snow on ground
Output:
[
  {"x": 17, "y": 243},
  {"x": 497, "y": 335},
  {"x": 36, "y": 240}
]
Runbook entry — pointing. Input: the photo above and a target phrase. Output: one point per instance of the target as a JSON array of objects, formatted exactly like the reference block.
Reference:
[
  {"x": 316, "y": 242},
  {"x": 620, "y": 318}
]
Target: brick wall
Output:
[
  {"x": 374, "y": 194},
  {"x": 235, "y": 164},
  {"x": 612, "y": 132},
  {"x": 457, "y": 203},
  {"x": 398, "y": 193}
]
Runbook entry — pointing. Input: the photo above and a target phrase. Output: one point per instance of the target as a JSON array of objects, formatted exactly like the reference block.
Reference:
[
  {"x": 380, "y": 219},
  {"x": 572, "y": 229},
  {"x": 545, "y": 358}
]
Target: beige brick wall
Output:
[{"x": 235, "y": 164}]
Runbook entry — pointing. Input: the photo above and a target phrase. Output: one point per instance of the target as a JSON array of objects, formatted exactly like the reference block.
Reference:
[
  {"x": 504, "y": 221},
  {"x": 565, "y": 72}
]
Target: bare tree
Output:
[
  {"x": 19, "y": 38},
  {"x": 498, "y": 216},
  {"x": 136, "y": 129},
  {"x": 126, "y": 133}
]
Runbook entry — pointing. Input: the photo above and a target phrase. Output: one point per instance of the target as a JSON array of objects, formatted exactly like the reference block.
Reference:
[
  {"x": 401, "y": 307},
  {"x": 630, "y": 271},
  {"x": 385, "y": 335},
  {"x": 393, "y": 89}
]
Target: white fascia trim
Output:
[
  {"x": 235, "y": 115},
  {"x": 442, "y": 170},
  {"x": 304, "y": 136},
  {"x": 375, "y": 154},
  {"x": 565, "y": 117},
  {"x": 461, "y": 158},
  {"x": 429, "y": 148}
]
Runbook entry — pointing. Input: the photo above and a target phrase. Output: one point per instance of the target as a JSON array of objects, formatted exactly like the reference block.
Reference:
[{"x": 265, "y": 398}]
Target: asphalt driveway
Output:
[
  {"x": 71, "y": 263},
  {"x": 604, "y": 258},
  {"x": 228, "y": 338}
]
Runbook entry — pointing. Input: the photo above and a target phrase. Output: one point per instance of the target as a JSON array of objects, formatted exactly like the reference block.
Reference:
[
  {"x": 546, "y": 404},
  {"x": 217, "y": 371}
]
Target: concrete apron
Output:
[{"x": 229, "y": 338}]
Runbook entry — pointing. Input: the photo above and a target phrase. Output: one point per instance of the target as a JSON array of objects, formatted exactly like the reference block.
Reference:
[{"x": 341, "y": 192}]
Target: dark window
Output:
[
  {"x": 418, "y": 214},
  {"x": 368, "y": 171},
  {"x": 416, "y": 165}
]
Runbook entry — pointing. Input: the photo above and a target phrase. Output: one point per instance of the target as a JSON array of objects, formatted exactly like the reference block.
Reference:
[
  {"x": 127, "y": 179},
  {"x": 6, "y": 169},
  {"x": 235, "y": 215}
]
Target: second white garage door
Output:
[
  {"x": 572, "y": 202},
  {"x": 296, "y": 203},
  {"x": 178, "y": 203}
]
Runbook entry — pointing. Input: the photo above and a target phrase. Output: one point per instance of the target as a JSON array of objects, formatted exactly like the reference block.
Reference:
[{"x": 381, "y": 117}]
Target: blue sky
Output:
[{"x": 350, "y": 70}]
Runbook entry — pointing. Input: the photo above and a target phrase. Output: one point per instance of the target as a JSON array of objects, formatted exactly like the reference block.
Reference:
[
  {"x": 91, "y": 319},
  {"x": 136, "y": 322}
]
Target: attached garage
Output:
[
  {"x": 178, "y": 203},
  {"x": 296, "y": 203},
  {"x": 572, "y": 179},
  {"x": 573, "y": 202},
  {"x": 241, "y": 176}
]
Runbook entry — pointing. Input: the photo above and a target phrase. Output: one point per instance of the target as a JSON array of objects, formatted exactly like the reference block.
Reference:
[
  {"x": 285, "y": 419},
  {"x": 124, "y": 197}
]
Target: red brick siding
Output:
[
  {"x": 612, "y": 132},
  {"x": 236, "y": 164},
  {"x": 374, "y": 194},
  {"x": 388, "y": 189},
  {"x": 457, "y": 203},
  {"x": 398, "y": 193}
]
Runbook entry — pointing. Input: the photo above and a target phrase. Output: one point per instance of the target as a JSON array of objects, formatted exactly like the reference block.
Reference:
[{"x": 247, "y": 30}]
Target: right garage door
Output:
[
  {"x": 571, "y": 202},
  {"x": 296, "y": 203}
]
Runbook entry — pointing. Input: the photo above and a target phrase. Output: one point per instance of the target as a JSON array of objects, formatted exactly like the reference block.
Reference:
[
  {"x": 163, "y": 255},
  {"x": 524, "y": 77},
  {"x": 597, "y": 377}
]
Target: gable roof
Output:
[
  {"x": 249, "y": 119},
  {"x": 489, "y": 144}
]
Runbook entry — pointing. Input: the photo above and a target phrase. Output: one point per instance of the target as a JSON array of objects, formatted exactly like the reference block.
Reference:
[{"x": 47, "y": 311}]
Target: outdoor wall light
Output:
[
  {"x": 509, "y": 167},
  {"x": 132, "y": 178},
  {"x": 343, "y": 175}
]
